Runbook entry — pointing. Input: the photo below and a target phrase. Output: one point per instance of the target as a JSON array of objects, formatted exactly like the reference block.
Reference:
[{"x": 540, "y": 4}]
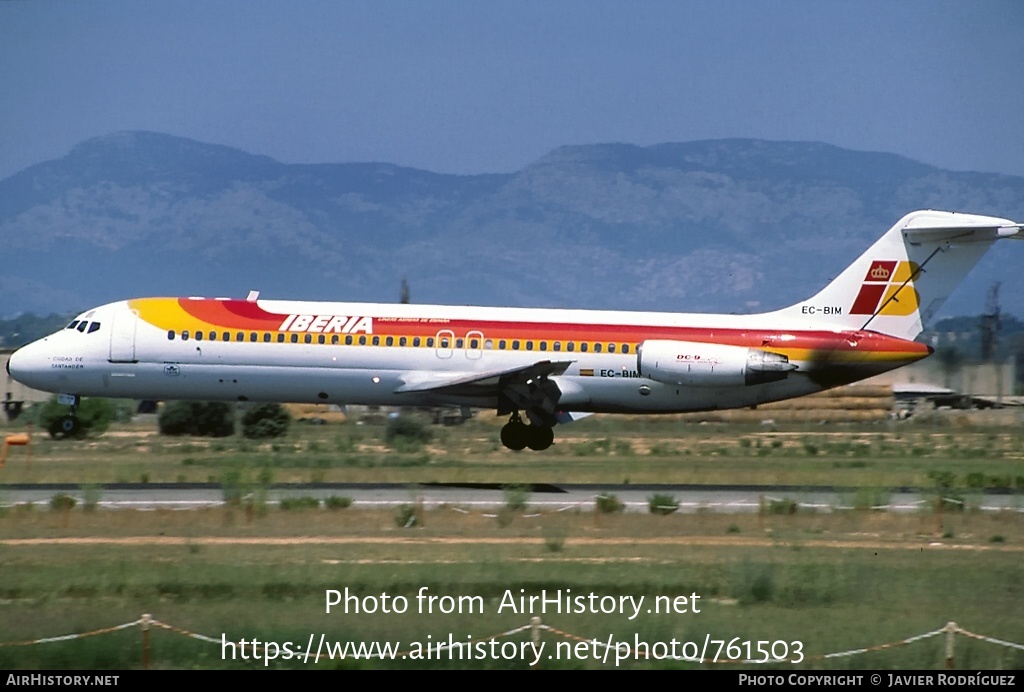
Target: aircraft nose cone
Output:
[
  {"x": 27, "y": 365},
  {"x": 15, "y": 359}
]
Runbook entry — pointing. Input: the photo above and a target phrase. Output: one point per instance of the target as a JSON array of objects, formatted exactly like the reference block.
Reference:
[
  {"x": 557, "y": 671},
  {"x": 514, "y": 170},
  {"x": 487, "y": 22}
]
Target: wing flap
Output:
[{"x": 459, "y": 382}]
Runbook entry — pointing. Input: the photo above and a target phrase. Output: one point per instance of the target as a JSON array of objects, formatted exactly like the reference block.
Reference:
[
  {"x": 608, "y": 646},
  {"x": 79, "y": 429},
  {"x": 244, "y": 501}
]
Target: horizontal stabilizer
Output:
[{"x": 963, "y": 234}]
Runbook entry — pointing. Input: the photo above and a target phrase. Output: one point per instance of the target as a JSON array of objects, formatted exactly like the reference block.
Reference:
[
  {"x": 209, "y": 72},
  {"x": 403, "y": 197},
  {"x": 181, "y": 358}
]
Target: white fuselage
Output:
[{"x": 312, "y": 352}]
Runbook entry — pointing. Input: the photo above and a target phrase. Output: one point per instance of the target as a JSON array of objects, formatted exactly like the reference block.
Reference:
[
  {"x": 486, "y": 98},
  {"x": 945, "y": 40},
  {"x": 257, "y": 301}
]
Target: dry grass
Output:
[{"x": 225, "y": 524}]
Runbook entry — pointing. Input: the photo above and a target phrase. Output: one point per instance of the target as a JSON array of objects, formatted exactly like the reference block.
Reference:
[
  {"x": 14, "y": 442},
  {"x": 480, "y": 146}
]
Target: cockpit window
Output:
[
  {"x": 94, "y": 327},
  {"x": 74, "y": 323},
  {"x": 82, "y": 325}
]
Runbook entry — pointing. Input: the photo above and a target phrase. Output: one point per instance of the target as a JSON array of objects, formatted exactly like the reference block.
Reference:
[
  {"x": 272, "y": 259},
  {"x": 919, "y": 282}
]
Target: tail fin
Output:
[{"x": 905, "y": 277}]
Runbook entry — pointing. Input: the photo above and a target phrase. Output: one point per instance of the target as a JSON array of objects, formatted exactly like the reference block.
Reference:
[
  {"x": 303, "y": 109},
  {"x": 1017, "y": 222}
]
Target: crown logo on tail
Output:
[{"x": 887, "y": 286}]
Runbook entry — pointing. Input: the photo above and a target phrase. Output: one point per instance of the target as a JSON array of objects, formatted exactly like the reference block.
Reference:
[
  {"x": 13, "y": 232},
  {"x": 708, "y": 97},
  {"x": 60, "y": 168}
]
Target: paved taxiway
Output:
[{"x": 485, "y": 497}]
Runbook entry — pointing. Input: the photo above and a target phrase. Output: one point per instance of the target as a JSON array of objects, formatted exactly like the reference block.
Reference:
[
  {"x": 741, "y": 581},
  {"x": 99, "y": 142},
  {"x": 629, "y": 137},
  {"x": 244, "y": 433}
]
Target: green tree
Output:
[
  {"x": 266, "y": 420},
  {"x": 199, "y": 418}
]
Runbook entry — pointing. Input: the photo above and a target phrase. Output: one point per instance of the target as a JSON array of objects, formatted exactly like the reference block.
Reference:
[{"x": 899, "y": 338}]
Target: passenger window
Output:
[
  {"x": 583, "y": 347},
  {"x": 543, "y": 345},
  {"x": 571, "y": 346},
  {"x": 502, "y": 344},
  {"x": 321, "y": 339},
  {"x": 240, "y": 336},
  {"x": 597, "y": 348},
  {"x": 213, "y": 336},
  {"x": 444, "y": 342},
  {"x": 184, "y": 335},
  {"x": 430, "y": 342},
  {"x": 348, "y": 340},
  {"x": 625, "y": 348},
  {"x": 266, "y": 337},
  {"x": 280, "y": 338},
  {"x": 611, "y": 348},
  {"x": 558, "y": 346},
  {"x": 362, "y": 340},
  {"x": 227, "y": 336},
  {"x": 253, "y": 336},
  {"x": 295, "y": 338},
  {"x": 335, "y": 339},
  {"x": 199, "y": 335},
  {"x": 415, "y": 341},
  {"x": 390, "y": 341},
  {"x": 376, "y": 341},
  {"x": 515, "y": 344},
  {"x": 170, "y": 334},
  {"x": 474, "y": 343},
  {"x": 308, "y": 338},
  {"x": 402, "y": 341},
  {"x": 489, "y": 344}
]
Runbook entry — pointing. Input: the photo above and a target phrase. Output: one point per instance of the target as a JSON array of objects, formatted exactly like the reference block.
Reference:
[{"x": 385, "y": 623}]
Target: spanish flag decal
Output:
[
  {"x": 888, "y": 284},
  {"x": 586, "y": 372}
]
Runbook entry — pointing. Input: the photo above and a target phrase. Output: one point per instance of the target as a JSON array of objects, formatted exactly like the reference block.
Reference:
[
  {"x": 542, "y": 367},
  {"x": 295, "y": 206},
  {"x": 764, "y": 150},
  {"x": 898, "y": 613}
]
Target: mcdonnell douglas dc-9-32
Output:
[{"x": 539, "y": 367}]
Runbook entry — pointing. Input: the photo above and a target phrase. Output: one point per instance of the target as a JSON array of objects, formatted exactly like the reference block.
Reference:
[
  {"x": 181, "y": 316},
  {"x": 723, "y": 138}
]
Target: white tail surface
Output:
[{"x": 905, "y": 277}]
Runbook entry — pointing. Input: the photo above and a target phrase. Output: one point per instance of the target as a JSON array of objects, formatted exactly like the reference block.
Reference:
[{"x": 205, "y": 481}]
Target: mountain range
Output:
[{"x": 735, "y": 225}]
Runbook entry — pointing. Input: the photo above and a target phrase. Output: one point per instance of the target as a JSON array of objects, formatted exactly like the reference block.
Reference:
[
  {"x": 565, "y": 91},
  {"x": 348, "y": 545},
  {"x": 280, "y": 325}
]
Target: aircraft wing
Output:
[{"x": 478, "y": 382}]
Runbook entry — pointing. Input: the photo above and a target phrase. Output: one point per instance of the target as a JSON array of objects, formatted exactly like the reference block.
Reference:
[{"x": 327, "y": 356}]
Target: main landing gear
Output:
[{"x": 516, "y": 435}]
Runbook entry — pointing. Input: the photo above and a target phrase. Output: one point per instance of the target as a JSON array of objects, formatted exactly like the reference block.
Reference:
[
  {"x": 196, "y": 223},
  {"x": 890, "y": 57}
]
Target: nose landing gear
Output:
[
  {"x": 69, "y": 425},
  {"x": 517, "y": 435}
]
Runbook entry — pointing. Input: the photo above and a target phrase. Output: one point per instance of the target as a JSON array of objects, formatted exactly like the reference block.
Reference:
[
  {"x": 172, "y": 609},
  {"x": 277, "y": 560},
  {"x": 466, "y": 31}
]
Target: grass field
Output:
[
  {"x": 832, "y": 581},
  {"x": 601, "y": 449}
]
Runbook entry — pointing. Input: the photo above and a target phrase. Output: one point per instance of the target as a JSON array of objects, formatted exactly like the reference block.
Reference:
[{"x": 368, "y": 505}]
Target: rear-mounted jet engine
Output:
[{"x": 709, "y": 365}]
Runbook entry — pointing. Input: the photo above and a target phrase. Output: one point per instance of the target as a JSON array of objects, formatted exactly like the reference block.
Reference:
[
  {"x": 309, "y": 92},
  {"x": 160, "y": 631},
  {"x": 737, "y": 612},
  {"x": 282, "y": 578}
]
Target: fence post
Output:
[
  {"x": 951, "y": 629},
  {"x": 145, "y": 640}
]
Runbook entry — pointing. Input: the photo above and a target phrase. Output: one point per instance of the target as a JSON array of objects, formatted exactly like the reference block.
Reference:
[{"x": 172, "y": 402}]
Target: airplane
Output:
[{"x": 548, "y": 366}]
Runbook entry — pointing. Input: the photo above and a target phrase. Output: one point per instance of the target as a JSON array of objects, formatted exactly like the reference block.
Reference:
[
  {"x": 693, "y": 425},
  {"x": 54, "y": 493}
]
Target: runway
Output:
[{"x": 539, "y": 497}]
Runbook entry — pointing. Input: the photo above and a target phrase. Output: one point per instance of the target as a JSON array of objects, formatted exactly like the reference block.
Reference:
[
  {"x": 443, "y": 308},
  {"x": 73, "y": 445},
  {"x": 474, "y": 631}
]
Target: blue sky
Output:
[{"x": 472, "y": 87}]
